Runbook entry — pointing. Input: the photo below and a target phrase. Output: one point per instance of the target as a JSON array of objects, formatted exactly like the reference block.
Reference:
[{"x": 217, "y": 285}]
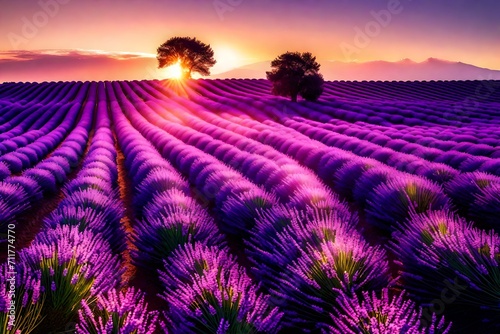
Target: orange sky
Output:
[{"x": 244, "y": 31}]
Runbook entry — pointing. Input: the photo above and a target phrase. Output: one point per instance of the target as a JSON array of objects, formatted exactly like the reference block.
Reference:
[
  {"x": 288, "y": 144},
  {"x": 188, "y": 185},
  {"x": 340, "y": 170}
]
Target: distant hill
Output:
[
  {"x": 406, "y": 69},
  {"x": 88, "y": 65}
]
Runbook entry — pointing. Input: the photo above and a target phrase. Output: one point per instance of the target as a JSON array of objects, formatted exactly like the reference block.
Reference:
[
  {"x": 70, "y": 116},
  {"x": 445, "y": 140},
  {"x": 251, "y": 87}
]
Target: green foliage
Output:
[
  {"x": 190, "y": 53},
  {"x": 295, "y": 73}
]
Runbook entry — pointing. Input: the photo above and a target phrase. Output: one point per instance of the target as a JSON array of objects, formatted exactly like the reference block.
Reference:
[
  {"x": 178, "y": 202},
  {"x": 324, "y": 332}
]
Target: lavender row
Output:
[
  {"x": 74, "y": 260},
  {"x": 465, "y": 142},
  {"x": 449, "y": 265},
  {"x": 91, "y": 200},
  {"x": 20, "y": 111},
  {"x": 416, "y": 90},
  {"x": 17, "y": 144},
  {"x": 444, "y": 137},
  {"x": 215, "y": 181},
  {"x": 347, "y": 178},
  {"x": 167, "y": 215},
  {"x": 69, "y": 94},
  {"x": 285, "y": 235},
  {"x": 285, "y": 238},
  {"x": 343, "y": 171},
  {"x": 19, "y": 193},
  {"x": 290, "y": 182},
  {"x": 472, "y": 193},
  {"x": 366, "y": 143},
  {"x": 222, "y": 290},
  {"x": 29, "y": 155}
]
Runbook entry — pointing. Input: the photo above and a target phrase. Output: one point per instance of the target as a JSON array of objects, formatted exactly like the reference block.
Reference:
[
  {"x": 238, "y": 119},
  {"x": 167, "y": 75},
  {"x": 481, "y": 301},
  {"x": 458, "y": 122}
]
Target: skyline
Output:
[{"x": 244, "y": 32}]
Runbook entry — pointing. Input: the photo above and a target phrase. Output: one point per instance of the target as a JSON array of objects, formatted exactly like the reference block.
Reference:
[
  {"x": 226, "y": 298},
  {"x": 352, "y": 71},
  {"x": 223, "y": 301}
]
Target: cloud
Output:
[{"x": 76, "y": 65}]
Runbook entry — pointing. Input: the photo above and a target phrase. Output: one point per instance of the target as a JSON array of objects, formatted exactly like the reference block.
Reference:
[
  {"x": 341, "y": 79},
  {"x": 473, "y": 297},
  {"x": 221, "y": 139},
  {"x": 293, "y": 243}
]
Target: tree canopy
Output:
[
  {"x": 192, "y": 55},
  {"x": 295, "y": 73}
]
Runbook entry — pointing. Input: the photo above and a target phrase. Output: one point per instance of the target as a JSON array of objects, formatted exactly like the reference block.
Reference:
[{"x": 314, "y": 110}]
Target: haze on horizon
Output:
[{"x": 113, "y": 35}]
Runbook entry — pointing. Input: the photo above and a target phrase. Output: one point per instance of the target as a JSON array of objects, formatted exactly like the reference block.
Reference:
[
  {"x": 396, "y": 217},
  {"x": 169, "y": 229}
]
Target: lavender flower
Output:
[
  {"x": 393, "y": 201},
  {"x": 208, "y": 288},
  {"x": 439, "y": 250},
  {"x": 382, "y": 315},
  {"x": 368, "y": 181},
  {"x": 95, "y": 218},
  {"x": 13, "y": 201},
  {"x": 157, "y": 181},
  {"x": 160, "y": 234},
  {"x": 239, "y": 211},
  {"x": 4, "y": 171},
  {"x": 486, "y": 208},
  {"x": 67, "y": 251},
  {"x": 118, "y": 312},
  {"x": 281, "y": 233},
  {"x": 464, "y": 188},
  {"x": 308, "y": 289},
  {"x": 345, "y": 178},
  {"x": 28, "y": 300}
]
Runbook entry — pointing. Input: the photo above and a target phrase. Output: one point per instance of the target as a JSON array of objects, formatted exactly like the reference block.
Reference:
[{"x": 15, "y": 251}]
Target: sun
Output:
[{"x": 174, "y": 71}]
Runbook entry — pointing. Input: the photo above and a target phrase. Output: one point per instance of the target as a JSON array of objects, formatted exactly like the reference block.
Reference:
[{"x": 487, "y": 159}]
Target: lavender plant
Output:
[
  {"x": 387, "y": 314},
  {"x": 21, "y": 301},
  {"x": 159, "y": 234},
  {"x": 441, "y": 252},
  {"x": 118, "y": 312},
  {"x": 393, "y": 201},
  {"x": 74, "y": 266},
  {"x": 209, "y": 293},
  {"x": 310, "y": 286}
]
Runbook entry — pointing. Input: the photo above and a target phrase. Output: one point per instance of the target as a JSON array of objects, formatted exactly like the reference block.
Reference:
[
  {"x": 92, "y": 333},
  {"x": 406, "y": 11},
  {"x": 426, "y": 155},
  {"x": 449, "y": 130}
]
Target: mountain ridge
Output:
[{"x": 404, "y": 69}]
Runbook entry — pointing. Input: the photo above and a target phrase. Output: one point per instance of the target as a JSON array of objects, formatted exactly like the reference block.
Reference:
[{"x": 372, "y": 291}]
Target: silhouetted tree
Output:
[
  {"x": 295, "y": 73},
  {"x": 192, "y": 54},
  {"x": 312, "y": 86}
]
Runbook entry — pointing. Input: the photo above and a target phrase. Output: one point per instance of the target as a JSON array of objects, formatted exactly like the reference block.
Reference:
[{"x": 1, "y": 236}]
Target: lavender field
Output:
[{"x": 212, "y": 206}]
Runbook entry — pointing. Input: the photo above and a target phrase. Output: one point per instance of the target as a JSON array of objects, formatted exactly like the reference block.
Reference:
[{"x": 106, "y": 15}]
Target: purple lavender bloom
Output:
[
  {"x": 464, "y": 188},
  {"x": 13, "y": 201},
  {"x": 28, "y": 301},
  {"x": 369, "y": 180},
  {"x": 30, "y": 186},
  {"x": 158, "y": 235},
  {"x": 439, "y": 250},
  {"x": 239, "y": 211},
  {"x": 346, "y": 177},
  {"x": 109, "y": 206},
  {"x": 486, "y": 207},
  {"x": 13, "y": 162},
  {"x": 4, "y": 171},
  {"x": 386, "y": 314},
  {"x": 207, "y": 287},
  {"x": 81, "y": 253},
  {"x": 472, "y": 164},
  {"x": 157, "y": 181},
  {"x": 93, "y": 220},
  {"x": 309, "y": 288},
  {"x": 281, "y": 233},
  {"x": 88, "y": 182},
  {"x": 330, "y": 163},
  {"x": 54, "y": 168},
  {"x": 45, "y": 179},
  {"x": 118, "y": 312},
  {"x": 436, "y": 172},
  {"x": 492, "y": 166},
  {"x": 393, "y": 201}
]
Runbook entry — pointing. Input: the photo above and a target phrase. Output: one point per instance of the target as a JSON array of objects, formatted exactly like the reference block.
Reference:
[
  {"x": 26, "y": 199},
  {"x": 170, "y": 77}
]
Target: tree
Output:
[
  {"x": 295, "y": 73},
  {"x": 190, "y": 53}
]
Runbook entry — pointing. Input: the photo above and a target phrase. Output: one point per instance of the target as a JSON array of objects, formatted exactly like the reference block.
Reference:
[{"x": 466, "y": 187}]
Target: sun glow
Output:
[
  {"x": 227, "y": 58},
  {"x": 174, "y": 71}
]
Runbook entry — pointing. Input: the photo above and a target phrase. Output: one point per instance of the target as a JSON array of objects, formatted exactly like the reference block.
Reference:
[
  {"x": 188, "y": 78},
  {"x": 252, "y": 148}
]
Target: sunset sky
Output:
[{"x": 248, "y": 31}]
